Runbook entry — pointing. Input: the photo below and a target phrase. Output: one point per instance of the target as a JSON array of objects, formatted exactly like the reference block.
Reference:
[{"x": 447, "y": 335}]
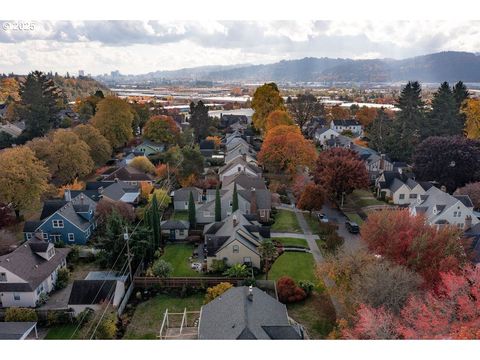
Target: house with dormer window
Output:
[
  {"x": 71, "y": 221},
  {"x": 29, "y": 272}
]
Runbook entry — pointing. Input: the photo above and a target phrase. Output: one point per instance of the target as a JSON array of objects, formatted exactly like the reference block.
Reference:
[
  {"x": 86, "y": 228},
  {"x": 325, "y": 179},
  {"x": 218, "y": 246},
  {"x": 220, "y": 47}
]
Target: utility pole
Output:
[{"x": 126, "y": 237}]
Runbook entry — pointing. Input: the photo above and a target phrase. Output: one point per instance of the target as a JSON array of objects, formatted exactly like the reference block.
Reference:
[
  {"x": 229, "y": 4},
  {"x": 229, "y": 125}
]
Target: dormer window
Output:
[
  {"x": 51, "y": 252},
  {"x": 57, "y": 224}
]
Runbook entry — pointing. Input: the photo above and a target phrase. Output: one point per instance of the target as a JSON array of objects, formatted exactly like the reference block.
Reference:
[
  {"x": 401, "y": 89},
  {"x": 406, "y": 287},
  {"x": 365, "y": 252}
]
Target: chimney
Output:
[
  {"x": 443, "y": 188},
  {"x": 100, "y": 190},
  {"x": 250, "y": 293},
  {"x": 253, "y": 201},
  {"x": 235, "y": 221},
  {"x": 382, "y": 162},
  {"x": 468, "y": 222},
  {"x": 67, "y": 195}
]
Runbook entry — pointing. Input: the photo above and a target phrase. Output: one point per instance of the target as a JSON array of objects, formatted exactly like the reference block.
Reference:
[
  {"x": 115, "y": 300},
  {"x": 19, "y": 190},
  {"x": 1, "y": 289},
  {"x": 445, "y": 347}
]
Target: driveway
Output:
[
  {"x": 58, "y": 299},
  {"x": 353, "y": 242}
]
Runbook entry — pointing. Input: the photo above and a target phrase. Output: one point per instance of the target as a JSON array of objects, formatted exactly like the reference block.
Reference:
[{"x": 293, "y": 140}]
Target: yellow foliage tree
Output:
[
  {"x": 162, "y": 196},
  {"x": 143, "y": 164},
  {"x": 277, "y": 118},
  {"x": 188, "y": 181},
  {"x": 471, "y": 109},
  {"x": 216, "y": 140},
  {"x": 215, "y": 291},
  {"x": 265, "y": 100}
]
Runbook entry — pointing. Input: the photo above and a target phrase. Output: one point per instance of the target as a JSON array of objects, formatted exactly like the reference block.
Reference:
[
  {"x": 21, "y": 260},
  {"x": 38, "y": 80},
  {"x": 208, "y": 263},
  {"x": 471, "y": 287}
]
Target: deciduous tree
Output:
[
  {"x": 365, "y": 115},
  {"x": 276, "y": 118},
  {"x": 66, "y": 155},
  {"x": 23, "y": 178},
  {"x": 265, "y": 100},
  {"x": 473, "y": 191},
  {"x": 304, "y": 108},
  {"x": 312, "y": 198},
  {"x": 340, "y": 171},
  {"x": 471, "y": 111},
  {"x": 410, "y": 241},
  {"x": 114, "y": 119},
  {"x": 285, "y": 150},
  {"x": 161, "y": 129},
  {"x": 100, "y": 149},
  {"x": 143, "y": 164}
]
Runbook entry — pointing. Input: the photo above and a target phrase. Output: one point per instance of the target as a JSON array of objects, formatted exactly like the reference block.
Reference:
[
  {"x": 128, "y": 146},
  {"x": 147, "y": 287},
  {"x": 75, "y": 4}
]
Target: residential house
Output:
[
  {"x": 239, "y": 165},
  {"x": 228, "y": 120},
  {"x": 251, "y": 201},
  {"x": 13, "y": 330},
  {"x": 243, "y": 181},
  {"x": 376, "y": 164},
  {"x": 129, "y": 175},
  {"x": 109, "y": 190},
  {"x": 181, "y": 197},
  {"x": 96, "y": 290},
  {"x": 175, "y": 230},
  {"x": 71, "y": 221},
  {"x": 240, "y": 149},
  {"x": 13, "y": 129},
  {"x": 148, "y": 148},
  {"x": 407, "y": 192},
  {"x": 127, "y": 159},
  {"x": 347, "y": 125},
  {"x": 323, "y": 134},
  {"x": 30, "y": 272},
  {"x": 247, "y": 313},
  {"x": 384, "y": 182},
  {"x": 234, "y": 240},
  {"x": 441, "y": 208}
]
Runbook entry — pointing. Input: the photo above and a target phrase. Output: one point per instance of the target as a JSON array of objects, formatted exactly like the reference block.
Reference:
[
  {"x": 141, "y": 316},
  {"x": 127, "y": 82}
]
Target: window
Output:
[
  {"x": 45, "y": 236},
  {"x": 29, "y": 236},
  {"x": 207, "y": 214},
  {"x": 460, "y": 225},
  {"x": 401, "y": 196},
  {"x": 71, "y": 237},
  {"x": 413, "y": 196},
  {"x": 88, "y": 232},
  {"x": 40, "y": 289},
  {"x": 16, "y": 296},
  {"x": 56, "y": 237},
  {"x": 181, "y": 232},
  {"x": 57, "y": 224},
  {"x": 3, "y": 277},
  {"x": 51, "y": 252},
  {"x": 186, "y": 204},
  {"x": 247, "y": 260},
  {"x": 459, "y": 214},
  {"x": 236, "y": 249}
]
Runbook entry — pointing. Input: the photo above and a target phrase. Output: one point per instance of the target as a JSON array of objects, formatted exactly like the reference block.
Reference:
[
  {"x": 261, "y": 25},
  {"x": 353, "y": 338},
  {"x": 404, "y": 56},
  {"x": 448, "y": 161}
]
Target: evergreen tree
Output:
[
  {"x": 218, "y": 206},
  {"x": 39, "y": 105},
  {"x": 153, "y": 222},
  {"x": 199, "y": 120},
  {"x": 405, "y": 131},
  {"x": 192, "y": 218},
  {"x": 443, "y": 119},
  {"x": 378, "y": 131},
  {"x": 460, "y": 94},
  {"x": 235, "y": 198}
]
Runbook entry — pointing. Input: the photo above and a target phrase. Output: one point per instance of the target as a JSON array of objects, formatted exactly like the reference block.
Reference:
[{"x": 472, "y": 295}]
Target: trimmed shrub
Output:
[
  {"x": 62, "y": 278},
  {"x": 218, "y": 266},
  {"x": 20, "y": 314},
  {"x": 162, "y": 268},
  {"x": 288, "y": 291},
  {"x": 306, "y": 286}
]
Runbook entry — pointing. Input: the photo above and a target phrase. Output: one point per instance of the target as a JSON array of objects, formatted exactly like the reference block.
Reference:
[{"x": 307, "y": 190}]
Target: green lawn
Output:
[
  {"x": 312, "y": 222},
  {"x": 177, "y": 255},
  {"x": 61, "y": 332},
  {"x": 361, "y": 198},
  {"x": 354, "y": 217},
  {"x": 297, "y": 265},
  {"x": 286, "y": 221},
  {"x": 148, "y": 316},
  {"x": 180, "y": 215},
  {"x": 316, "y": 314},
  {"x": 291, "y": 241}
]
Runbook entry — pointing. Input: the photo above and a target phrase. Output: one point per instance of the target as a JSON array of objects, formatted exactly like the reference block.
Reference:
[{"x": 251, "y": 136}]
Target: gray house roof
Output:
[
  {"x": 15, "y": 330},
  {"x": 240, "y": 161},
  {"x": 129, "y": 173},
  {"x": 183, "y": 194},
  {"x": 175, "y": 224},
  {"x": 234, "y": 315},
  {"x": 88, "y": 292},
  {"x": 245, "y": 181},
  {"x": 263, "y": 197},
  {"x": 28, "y": 265}
]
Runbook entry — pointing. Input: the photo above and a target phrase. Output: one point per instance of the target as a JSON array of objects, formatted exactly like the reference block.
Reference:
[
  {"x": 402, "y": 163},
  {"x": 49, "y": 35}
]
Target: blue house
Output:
[{"x": 71, "y": 220}]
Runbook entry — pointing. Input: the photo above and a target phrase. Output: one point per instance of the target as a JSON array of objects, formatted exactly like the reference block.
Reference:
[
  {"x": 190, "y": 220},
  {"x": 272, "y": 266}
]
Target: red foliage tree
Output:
[
  {"x": 340, "y": 170},
  {"x": 299, "y": 182},
  {"x": 288, "y": 291},
  {"x": 312, "y": 198},
  {"x": 285, "y": 149},
  {"x": 410, "y": 241},
  {"x": 451, "y": 311}
]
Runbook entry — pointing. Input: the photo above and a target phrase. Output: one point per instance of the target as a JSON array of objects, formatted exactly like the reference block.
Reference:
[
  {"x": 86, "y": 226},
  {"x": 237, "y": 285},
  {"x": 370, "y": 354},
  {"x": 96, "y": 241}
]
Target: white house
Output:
[
  {"x": 30, "y": 272},
  {"x": 237, "y": 166},
  {"x": 322, "y": 135},
  {"x": 347, "y": 125},
  {"x": 441, "y": 208}
]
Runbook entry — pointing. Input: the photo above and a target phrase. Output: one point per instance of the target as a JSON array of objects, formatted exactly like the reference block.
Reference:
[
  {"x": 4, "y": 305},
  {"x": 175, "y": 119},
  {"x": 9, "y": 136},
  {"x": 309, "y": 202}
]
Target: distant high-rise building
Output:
[
  {"x": 115, "y": 74},
  {"x": 81, "y": 73}
]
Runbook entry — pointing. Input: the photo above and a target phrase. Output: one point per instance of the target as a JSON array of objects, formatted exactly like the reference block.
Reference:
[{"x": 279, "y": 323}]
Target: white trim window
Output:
[
  {"x": 71, "y": 237},
  {"x": 56, "y": 237},
  {"x": 3, "y": 277},
  {"x": 29, "y": 236},
  {"x": 57, "y": 224},
  {"x": 236, "y": 249},
  {"x": 16, "y": 296}
]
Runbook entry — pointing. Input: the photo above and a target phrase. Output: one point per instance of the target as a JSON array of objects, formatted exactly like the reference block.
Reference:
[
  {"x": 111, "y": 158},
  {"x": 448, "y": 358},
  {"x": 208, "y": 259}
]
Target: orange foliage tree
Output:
[
  {"x": 75, "y": 185},
  {"x": 339, "y": 113},
  {"x": 216, "y": 140},
  {"x": 276, "y": 118},
  {"x": 312, "y": 198},
  {"x": 285, "y": 150},
  {"x": 161, "y": 129},
  {"x": 366, "y": 115}
]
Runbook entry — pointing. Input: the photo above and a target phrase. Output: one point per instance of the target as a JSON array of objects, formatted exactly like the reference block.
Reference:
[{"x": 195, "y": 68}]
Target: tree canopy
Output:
[
  {"x": 100, "y": 149},
  {"x": 265, "y": 100},
  {"x": 161, "y": 129}
]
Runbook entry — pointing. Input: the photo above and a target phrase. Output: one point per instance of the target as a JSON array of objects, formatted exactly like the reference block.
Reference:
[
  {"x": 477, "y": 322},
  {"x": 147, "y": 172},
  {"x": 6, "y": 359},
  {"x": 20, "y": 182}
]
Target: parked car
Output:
[
  {"x": 322, "y": 217},
  {"x": 352, "y": 227}
]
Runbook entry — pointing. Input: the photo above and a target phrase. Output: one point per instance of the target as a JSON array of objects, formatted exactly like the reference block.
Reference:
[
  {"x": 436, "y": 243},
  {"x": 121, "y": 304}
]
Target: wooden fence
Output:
[{"x": 179, "y": 282}]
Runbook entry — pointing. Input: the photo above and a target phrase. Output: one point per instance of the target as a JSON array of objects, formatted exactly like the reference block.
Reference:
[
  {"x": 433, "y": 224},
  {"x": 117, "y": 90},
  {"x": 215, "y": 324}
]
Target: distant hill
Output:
[
  {"x": 444, "y": 66},
  {"x": 79, "y": 87}
]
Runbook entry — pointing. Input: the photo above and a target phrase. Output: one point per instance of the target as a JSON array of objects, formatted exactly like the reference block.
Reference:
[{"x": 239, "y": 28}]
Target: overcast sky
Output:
[{"x": 136, "y": 47}]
